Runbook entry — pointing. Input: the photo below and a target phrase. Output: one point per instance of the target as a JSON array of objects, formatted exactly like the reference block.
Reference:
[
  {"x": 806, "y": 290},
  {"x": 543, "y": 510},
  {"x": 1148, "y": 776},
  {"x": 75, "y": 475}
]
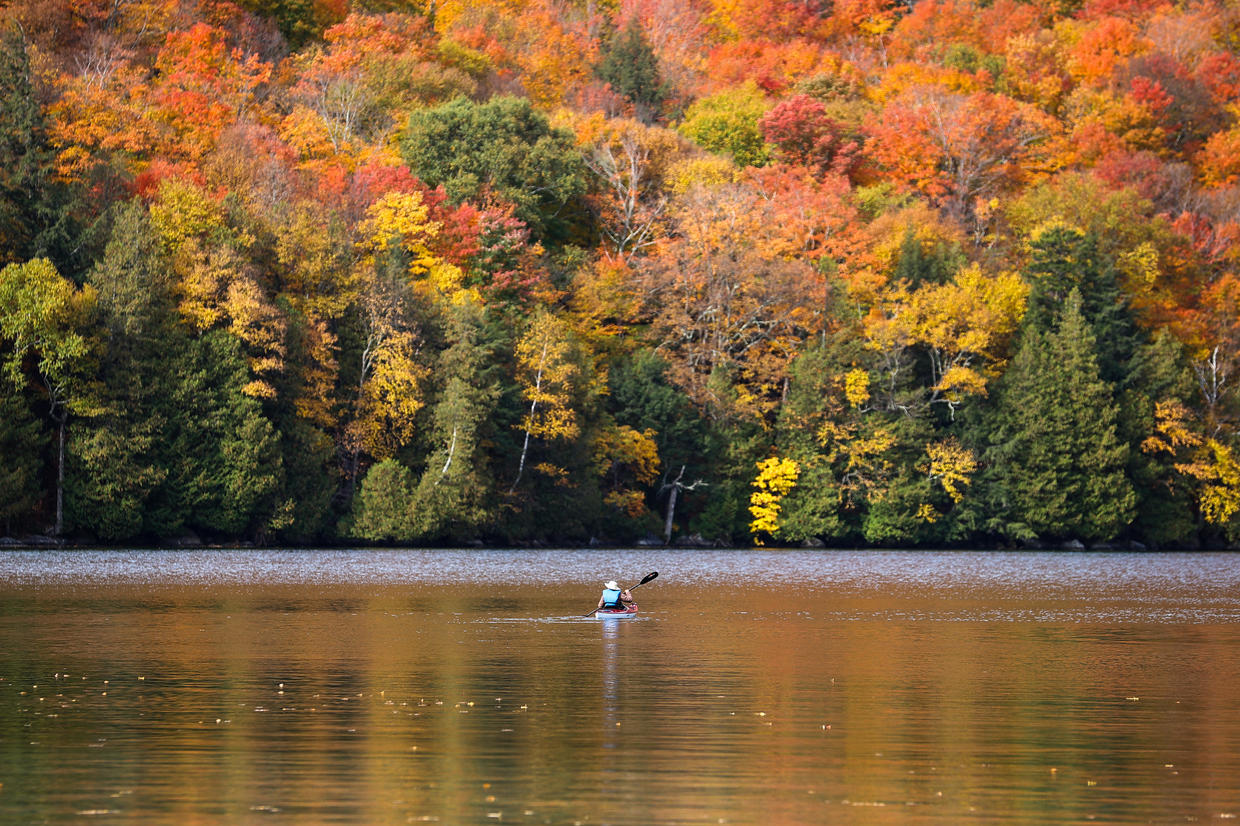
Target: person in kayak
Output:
[{"x": 614, "y": 597}]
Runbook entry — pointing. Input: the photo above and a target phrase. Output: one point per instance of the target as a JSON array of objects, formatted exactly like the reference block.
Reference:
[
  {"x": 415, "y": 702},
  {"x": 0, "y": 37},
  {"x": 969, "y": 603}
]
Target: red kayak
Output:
[{"x": 627, "y": 611}]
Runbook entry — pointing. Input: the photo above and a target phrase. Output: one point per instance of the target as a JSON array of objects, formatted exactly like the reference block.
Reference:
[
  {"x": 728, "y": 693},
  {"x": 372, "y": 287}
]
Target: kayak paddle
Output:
[{"x": 645, "y": 579}]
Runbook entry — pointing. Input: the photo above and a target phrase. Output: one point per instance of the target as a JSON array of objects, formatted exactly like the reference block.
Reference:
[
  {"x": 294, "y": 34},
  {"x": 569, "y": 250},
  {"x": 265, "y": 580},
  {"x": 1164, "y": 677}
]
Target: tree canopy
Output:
[{"x": 938, "y": 272}]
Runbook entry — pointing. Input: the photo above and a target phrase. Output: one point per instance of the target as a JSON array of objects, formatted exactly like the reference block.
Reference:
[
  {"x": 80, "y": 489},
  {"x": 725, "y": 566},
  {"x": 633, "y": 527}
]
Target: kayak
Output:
[{"x": 617, "y": 612}]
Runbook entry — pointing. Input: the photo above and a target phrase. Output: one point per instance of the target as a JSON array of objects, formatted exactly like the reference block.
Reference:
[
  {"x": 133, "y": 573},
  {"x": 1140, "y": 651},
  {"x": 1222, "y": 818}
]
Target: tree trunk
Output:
[
  {"x": 672, "y": 494},
  {"x": 525, "y": 449},
  {"x": 60, "y": 477},
  {"x": 451, "y": 452},
  {"x": 671, "y": 514}
]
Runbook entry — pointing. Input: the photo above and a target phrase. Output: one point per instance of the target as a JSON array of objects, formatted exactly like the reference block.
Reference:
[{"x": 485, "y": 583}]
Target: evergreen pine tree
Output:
[
  {"x": 453, "y": 498},
  {"x": 221, "y": 454},
  {"x": 116, "y": 456},
  {"x": 20, "y": 441},
  {"x": 629, "y": 65},
  {"x": 1165, "y": 512},
  {"x": 918, "y": 265},
  {"x": 382, "y": 508},
  {"x": 814, "y": 508},
  {"x": 34, "y": 213},
  {"x": 1056, "y": 458},
  {"x": 1064, "y": 259}
]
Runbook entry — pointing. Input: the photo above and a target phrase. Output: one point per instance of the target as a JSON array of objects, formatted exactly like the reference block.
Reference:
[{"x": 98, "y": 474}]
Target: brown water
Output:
[{"x": 763, "y": 687}]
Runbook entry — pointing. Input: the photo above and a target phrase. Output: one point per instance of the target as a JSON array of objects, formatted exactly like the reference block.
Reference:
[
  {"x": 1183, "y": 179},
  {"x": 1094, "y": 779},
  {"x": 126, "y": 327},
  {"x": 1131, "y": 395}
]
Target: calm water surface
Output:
[{"x": 391, "y": 687}]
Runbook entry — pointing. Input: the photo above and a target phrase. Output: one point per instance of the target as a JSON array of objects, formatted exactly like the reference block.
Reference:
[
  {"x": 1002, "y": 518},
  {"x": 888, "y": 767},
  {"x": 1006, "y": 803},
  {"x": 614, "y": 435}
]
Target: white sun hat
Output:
[{"x": 611, "y": 585}]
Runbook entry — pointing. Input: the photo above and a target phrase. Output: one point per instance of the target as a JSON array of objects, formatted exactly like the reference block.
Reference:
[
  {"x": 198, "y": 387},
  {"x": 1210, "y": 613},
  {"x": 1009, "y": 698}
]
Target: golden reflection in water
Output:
[{"x": 453, "y": 704}]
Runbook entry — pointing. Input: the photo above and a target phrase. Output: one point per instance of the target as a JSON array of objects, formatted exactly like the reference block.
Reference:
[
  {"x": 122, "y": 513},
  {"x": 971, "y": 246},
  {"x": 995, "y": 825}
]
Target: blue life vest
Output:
[{"x": 611, "y": 598}]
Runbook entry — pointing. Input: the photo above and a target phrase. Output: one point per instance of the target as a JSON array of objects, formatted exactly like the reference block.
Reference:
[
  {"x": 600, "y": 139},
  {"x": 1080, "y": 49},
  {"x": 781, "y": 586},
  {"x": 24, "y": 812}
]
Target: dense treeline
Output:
[{"x": 862, "y": 271}]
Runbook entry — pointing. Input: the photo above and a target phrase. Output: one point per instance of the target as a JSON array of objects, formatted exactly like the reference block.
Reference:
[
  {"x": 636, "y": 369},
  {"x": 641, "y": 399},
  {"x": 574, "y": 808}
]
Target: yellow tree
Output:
[
  {"x": 627, "y": 459},
  {"x": 394, "y": 252},
  {"x": 1033, "y": 69},
  {"x": 388, "y": 393},
  {"x": 547, "y": 373},
  {"x": 188, "y": 221},
  {"x": 216, "y": 285},
  {"x": 776, "y": 478},
  {"x": 319, "y": 282},
  {"x": 1207, "y": 461},
  {"x": 1219, "y": 472},
  {"x": 952, "y": 465},
  {"x": 966, "y": 326},
  {"x": 400, "y": 219}
]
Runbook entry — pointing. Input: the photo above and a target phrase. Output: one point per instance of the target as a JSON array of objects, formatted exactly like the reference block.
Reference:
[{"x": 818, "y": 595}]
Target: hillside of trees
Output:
[{"x": 853, "y": 272}]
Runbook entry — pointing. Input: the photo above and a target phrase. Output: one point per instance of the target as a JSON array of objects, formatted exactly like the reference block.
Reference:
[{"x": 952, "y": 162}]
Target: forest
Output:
[{"x": 733, "y": 272}]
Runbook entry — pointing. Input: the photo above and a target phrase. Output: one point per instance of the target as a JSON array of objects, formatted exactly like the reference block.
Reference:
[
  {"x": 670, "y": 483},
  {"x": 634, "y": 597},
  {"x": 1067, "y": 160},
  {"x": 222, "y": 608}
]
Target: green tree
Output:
[
  {"x": 43, "y": 322},
  {"x": 727, "y": 123},
  {"x": 115, "y": 458},
  {"x": 1162, "y": 379},
  {"x": 300, "y": 21},
  {"x": 453, "y": 497},
  {"x": 20, "y": 441},
  {"x": 503, "y": 145},
  {"x": 815, "y": 406},
  {"x": 1064, "y": 259},
  {"x": 642, "y": 398},
  {"x": 230, "y": 486},
  {"x": 310, "y": 480},
  {"x": 383, "y": 505},
  {"x": 114, "y": 472},
  {"x": 894, "y": 517},
  {"x": 1056, "y": 459},
  {"x": 919, "y": 263},
  {"x": 629, "y": 65},
  {"x": 134, "y": 282},
  {"x": 34, "y": 218},
  {"x": 814, "y": 510}
]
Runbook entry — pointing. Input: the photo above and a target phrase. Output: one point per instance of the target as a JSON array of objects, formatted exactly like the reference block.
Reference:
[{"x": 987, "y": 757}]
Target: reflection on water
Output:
[{"x": 466, "y": 687}]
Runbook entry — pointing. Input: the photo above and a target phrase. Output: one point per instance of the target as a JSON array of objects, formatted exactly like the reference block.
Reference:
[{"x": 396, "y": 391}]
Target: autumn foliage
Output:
[{"x": 945, "y": 271}]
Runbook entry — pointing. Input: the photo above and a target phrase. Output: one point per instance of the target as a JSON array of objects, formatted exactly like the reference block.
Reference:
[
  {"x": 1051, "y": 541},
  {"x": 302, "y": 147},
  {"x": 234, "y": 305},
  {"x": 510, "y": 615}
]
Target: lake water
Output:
[{"x": 760, "y": 687}]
